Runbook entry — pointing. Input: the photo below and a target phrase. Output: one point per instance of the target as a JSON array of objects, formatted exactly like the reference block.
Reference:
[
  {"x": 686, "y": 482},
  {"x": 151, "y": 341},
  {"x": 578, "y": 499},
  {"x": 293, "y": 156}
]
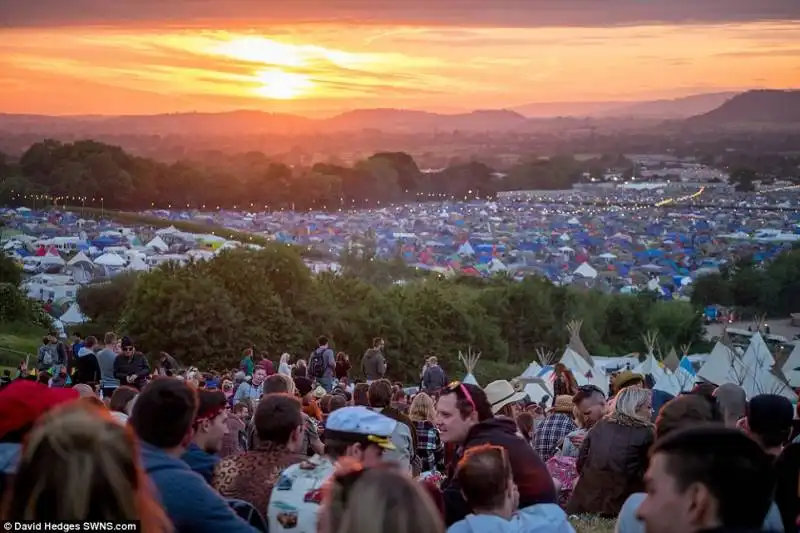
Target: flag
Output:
[{"x": 687, "y": 365}]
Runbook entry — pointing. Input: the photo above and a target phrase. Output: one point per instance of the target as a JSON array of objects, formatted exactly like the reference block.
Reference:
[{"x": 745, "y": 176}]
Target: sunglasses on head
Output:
[
  {"x": 590, "y": 389},
  {"x": 456, "y": 387}
]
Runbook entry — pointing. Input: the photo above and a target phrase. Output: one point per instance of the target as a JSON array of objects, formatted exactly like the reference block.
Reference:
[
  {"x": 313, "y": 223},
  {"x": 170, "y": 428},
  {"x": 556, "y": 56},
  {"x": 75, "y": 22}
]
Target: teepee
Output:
[
  {"x": 546, "y": 356},
  {"x": 671, "y": 362},
  {"x": 575, "y": 342},
  {"x": 650, "y": 366},
  {"x": 470, "y": 361}
]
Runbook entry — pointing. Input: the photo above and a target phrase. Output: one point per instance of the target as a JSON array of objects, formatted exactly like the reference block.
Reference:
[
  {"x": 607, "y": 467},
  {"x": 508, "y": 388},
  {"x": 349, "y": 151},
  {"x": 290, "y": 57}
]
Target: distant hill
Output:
[
  {"x": 405, "y": 121},
  {"x": 753, "y": 108},
  {"x": 675, "y": 108},
  {"x": 670, "y": 109},
  {"x": 257, "y": 122},
  {"x": 709, "y": 110},
  {"x": 228, "y": 123}
]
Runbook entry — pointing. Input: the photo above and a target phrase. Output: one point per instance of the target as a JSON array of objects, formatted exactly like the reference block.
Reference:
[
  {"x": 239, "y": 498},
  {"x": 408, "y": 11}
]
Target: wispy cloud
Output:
[{"x": 358, "y": 65}]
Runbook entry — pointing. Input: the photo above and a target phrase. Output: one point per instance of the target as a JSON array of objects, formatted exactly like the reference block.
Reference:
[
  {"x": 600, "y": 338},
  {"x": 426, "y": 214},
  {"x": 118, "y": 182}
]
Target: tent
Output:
[
  {"x": 466, "y": 249},
  {"x": 73, "y": 315},
  {"x": 137, "y": 264},
  {"x": 723, "y": 365},
  {"x": 80, "y": 258},
  {"x": 791, "y": 367},
  {"x": 157, "y": 244},
  {"x": 110, "y": 260},
  {"x": 470, "y": 361},
  {"x": 586, "y": 270},
  {"x": 575, "y": 342},
  {"x": 757, "y": 354}
]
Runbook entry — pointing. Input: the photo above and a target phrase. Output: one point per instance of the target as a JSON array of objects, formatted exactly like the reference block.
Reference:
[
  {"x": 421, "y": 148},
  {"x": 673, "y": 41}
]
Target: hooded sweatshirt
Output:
[
  {"x": 542, "y": 518},
  {"x": 200, "y": 461},
  {"x": 373, "y": 364},
  {"x": 87, "y": 370},
  {"x": 191, "y": 504},
  {"x": 530, "y": 473}
]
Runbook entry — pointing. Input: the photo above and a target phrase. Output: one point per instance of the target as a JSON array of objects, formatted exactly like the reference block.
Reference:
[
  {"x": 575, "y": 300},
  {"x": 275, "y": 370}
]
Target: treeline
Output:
[
  {"x": 207, "y": 312},
  {"x": 94, "y": 174},
  {"x": 772, "y": 289}
]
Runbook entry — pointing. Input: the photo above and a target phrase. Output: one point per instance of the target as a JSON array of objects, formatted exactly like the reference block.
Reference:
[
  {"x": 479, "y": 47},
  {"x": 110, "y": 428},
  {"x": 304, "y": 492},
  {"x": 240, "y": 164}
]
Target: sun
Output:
[{"x": 280, "y": 85}]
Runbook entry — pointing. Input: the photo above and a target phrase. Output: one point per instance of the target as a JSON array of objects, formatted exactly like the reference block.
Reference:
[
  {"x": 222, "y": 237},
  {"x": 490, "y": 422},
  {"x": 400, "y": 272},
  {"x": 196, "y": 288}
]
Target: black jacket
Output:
[
  {"x": 530, "y": 473},
  {"x": 87, "y": 370},
  {"x": 136, "y": 364}
]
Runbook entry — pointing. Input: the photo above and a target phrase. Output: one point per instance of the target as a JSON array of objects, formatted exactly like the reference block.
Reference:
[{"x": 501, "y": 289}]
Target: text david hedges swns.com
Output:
[{"x": 11, "y": 525}]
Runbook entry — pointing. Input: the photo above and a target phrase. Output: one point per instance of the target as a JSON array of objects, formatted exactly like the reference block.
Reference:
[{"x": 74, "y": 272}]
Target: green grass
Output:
[
  {"x": 592, "y": 524},
  {"x": 18, "y": 340}
]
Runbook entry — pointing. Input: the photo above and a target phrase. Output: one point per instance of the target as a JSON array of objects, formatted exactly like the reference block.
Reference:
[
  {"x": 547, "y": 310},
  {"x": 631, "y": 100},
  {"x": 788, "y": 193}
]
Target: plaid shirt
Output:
[
  {"x": 429, "y": 444},
  {"x": 551, "y": 432}
]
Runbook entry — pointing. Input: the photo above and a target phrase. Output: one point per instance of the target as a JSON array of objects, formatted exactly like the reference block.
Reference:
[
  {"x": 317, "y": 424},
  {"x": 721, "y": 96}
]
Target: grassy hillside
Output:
[{"x": 17, "y": 341}]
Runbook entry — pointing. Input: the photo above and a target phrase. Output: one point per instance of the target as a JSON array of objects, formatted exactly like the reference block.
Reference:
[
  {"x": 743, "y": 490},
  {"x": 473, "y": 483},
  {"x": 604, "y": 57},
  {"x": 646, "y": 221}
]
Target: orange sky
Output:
[{"x": 320, "y": 68}]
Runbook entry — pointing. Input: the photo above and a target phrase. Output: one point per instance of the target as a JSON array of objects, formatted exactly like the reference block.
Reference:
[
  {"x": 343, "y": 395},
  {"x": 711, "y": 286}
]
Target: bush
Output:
[
  {"x": 16, "y": 307},
  {"x": 10, "y": 272},
  {"x": 207, "y": 312}
]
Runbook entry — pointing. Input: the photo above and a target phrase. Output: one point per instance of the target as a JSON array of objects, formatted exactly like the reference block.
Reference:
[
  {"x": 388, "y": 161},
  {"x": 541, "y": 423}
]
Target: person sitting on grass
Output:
[{"x": 487, "y": 483}]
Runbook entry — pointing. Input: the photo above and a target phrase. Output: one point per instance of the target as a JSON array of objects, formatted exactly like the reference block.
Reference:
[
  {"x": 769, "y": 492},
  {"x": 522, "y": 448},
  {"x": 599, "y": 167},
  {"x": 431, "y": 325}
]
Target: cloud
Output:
[
  {"x": 497, "y": 13},
  {"x": 791, "y": 52}
]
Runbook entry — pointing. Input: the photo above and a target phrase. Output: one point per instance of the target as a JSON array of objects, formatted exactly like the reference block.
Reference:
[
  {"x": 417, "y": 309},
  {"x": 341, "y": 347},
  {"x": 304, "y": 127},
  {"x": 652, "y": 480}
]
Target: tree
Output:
[
  {"x": 105, "y": 303},
  {"x": 712, "y": 289},
  {"x": 743, "y": 178},
  {"x": 10, "y": 272}
]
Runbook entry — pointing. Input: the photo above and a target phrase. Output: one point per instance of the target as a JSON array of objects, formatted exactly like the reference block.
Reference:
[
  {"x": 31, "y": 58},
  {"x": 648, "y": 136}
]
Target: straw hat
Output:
[
  {"x": 501, "y": 393},
  {"x": 563, "y": 404},
  {"x": 625, "y": 378}
]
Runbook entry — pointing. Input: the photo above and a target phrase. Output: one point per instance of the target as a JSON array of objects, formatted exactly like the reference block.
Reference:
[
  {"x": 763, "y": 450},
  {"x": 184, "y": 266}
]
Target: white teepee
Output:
[{"x": 470, "y": 361}]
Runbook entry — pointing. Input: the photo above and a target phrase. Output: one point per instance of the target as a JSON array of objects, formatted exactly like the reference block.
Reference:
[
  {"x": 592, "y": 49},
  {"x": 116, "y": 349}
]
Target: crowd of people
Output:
[{"x": 91, "y": 432}]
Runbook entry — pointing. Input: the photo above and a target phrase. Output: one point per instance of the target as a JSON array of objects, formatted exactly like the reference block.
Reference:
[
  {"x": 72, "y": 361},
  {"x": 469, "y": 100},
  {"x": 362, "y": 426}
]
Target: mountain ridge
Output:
[{"x": 764, "y": 106}]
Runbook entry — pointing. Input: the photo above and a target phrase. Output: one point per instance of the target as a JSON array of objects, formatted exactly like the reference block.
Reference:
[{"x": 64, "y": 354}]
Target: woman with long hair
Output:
[
  {"x": 564, "y": 383},
  {"x": 78, "y": 464},
  {"x": 283, "y": 365},
  {"x": 430, "y": 449},
  {"x": 342, "y": 366},
  {"x": 300, "y": 369},
  {"x": 613, "y": 457},
  {"x": 359, "y": 500}
]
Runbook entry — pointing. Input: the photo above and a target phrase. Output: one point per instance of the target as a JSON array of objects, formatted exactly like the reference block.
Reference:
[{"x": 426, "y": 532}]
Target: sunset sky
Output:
[{"x": 319, "y": 57}]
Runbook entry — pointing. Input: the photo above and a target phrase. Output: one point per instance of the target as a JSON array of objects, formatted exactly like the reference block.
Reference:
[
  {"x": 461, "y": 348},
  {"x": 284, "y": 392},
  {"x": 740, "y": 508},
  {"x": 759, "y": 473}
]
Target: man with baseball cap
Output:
[
  {"x": 353, "y": 432},
  {"x": 22, "y": 403}
]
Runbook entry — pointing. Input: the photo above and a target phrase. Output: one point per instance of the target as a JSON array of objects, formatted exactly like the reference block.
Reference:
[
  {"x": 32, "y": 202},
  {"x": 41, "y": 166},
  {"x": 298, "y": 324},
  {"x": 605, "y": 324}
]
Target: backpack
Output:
[
  {"x": 46, "y": 356},
  {"x": 316, "y": 364}
]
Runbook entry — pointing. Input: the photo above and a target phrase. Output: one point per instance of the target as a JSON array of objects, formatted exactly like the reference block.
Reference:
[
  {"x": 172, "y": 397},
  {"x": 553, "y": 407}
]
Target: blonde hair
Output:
[
  {"x": 380, "y": 499},
  {"x": 630, "y": 400},
  {"x": 284, "y": 359},
  {"x": 79, "y": 464},
  {"x": 422, "y": 408}
]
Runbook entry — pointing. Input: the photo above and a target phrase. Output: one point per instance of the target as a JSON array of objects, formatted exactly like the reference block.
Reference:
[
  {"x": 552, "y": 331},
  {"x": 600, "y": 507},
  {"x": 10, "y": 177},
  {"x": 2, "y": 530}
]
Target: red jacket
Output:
[{"x": 267, "y": 366}]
